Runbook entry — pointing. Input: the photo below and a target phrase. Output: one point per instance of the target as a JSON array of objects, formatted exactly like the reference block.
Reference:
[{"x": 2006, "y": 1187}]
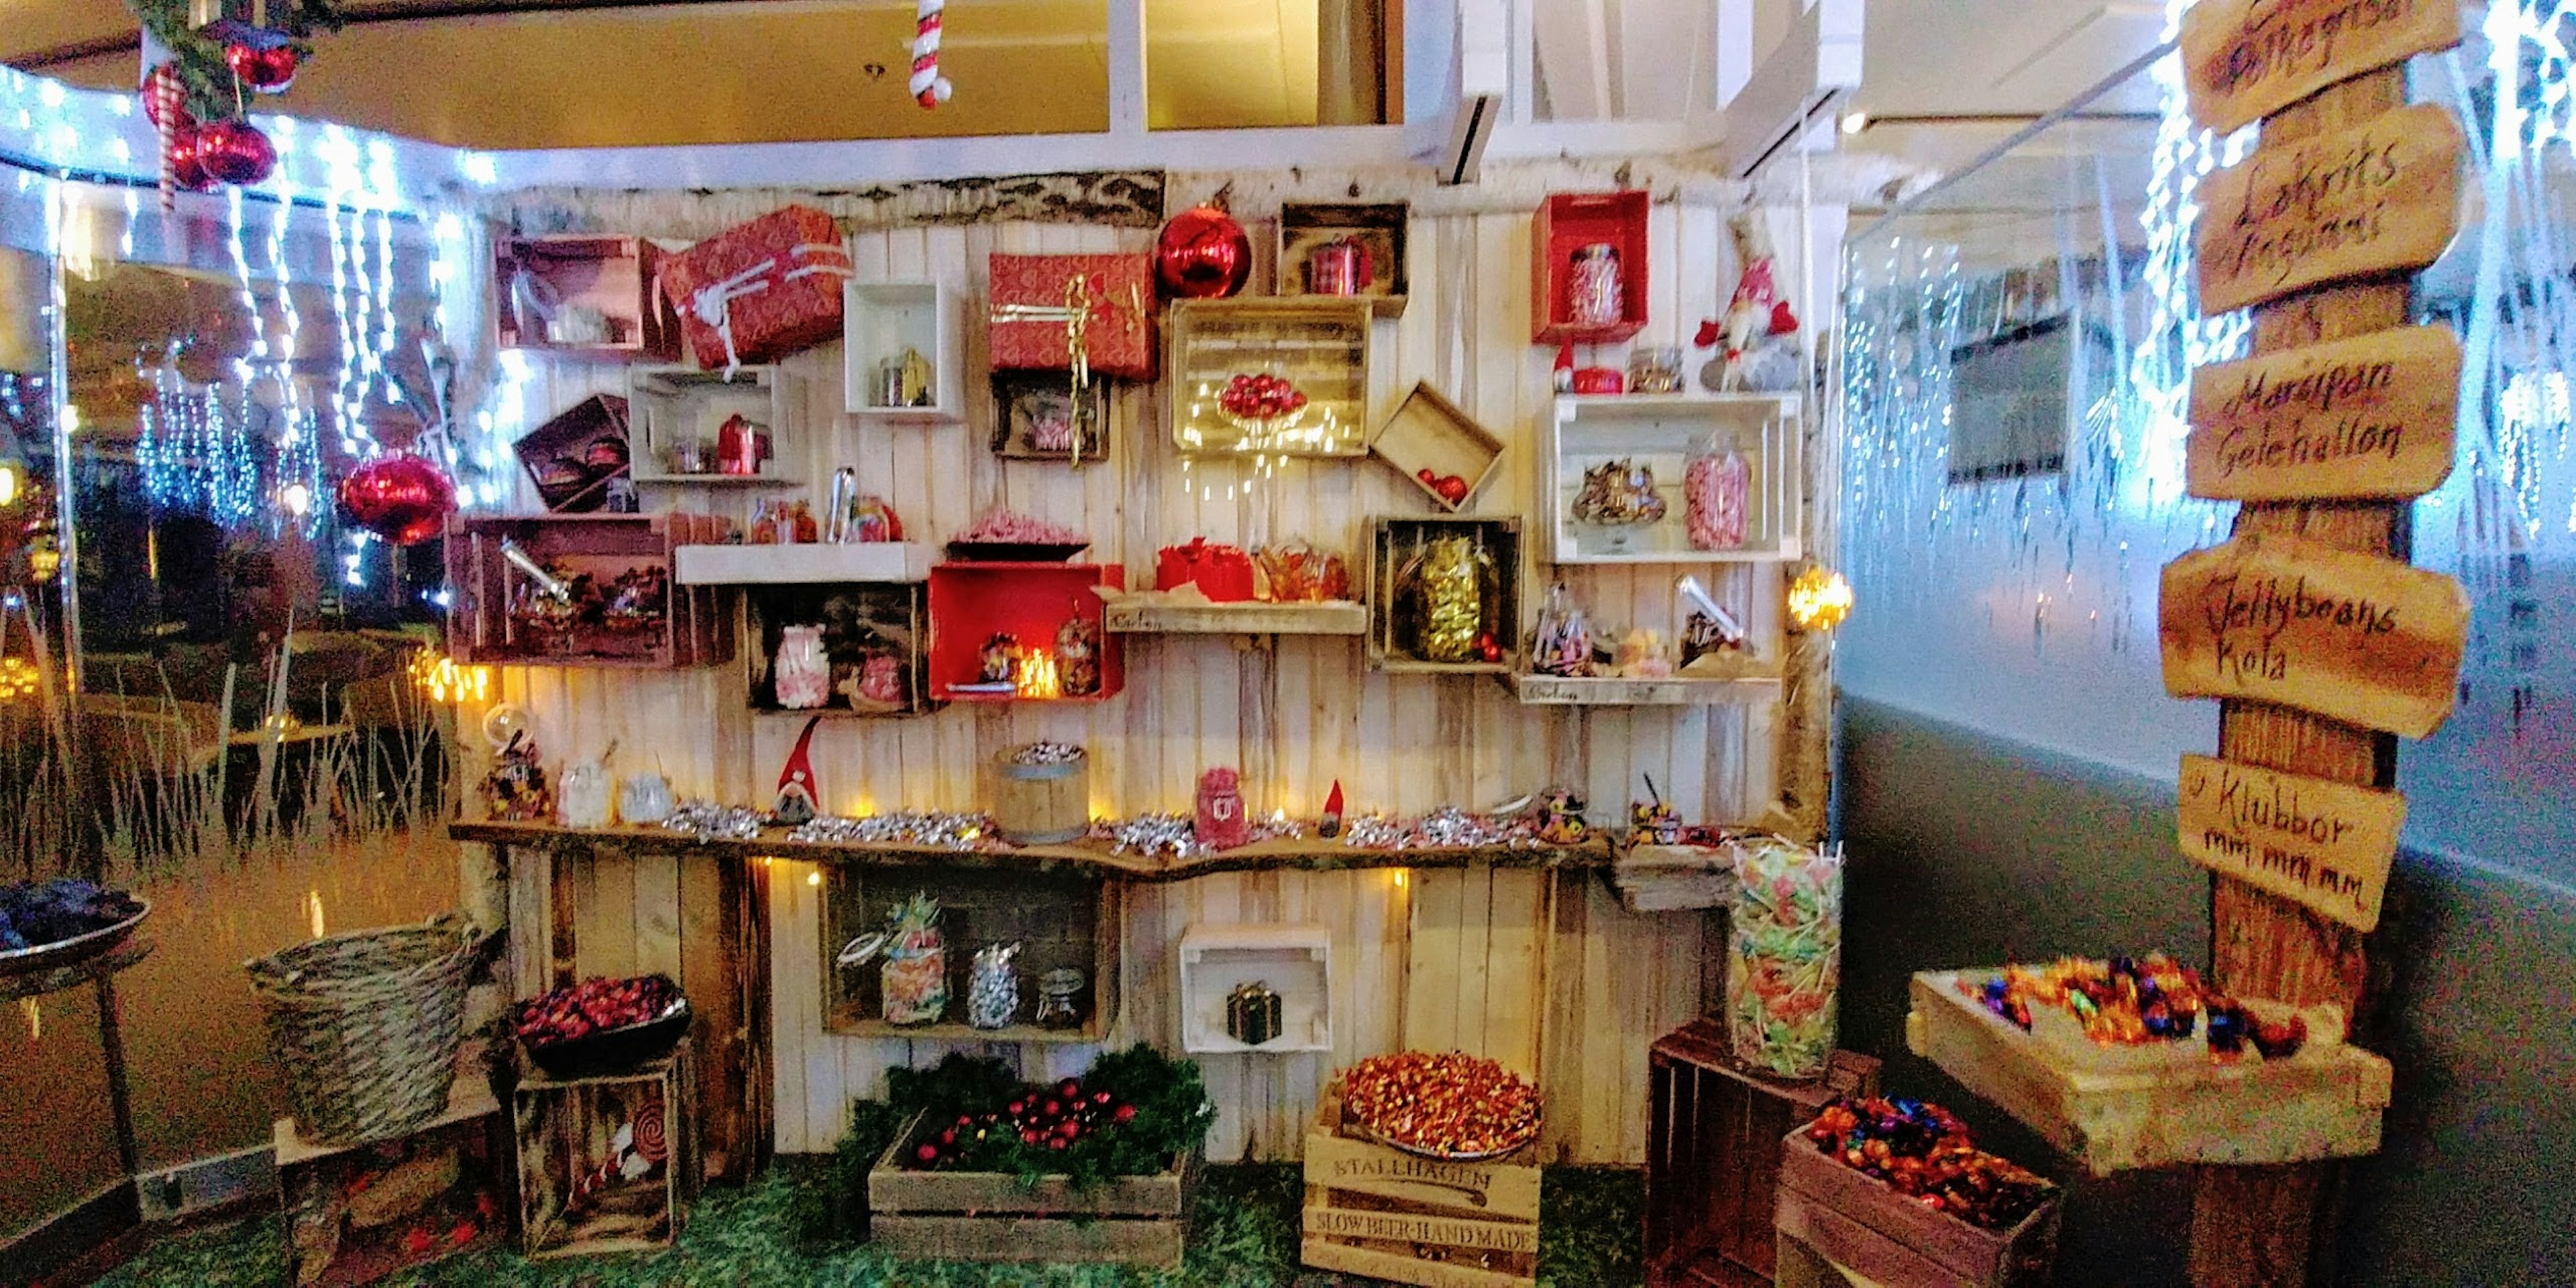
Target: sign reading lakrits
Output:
[
  {"x": 2293, "y": 621},
  {"x": 2371, "y": 416},
  {"x": 2246, "y": 59},
  {"x": 2380, "y": 197},
  {"x": 2321, "y": 843}
]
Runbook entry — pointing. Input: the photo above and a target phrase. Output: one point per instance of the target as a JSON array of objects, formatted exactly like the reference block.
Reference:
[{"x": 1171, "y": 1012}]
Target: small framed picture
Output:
[{"x": 1037, "y": 418}]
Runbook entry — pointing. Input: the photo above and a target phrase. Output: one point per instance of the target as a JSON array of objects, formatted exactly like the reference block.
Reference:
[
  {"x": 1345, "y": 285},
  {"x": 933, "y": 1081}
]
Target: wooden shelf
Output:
[
  {"x": 1379, "y": 227},
  {"x": 1659, "y": 432},
  {"x": 805, "y": 563},
  {"x": 2324, "y": 1102},
  {"x": 666, "y": 404},
  {"x": 1303, "y": 854},
  {"x": 1296, "y": 961},
  {"x": 1669, "y": 691},
  {"x": 1149, "y": 613},
  {"x": 880, "y": 320}
]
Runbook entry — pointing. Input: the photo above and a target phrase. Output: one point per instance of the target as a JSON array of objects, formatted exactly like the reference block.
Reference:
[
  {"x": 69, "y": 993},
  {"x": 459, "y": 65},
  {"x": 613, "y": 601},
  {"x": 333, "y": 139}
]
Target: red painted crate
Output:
[
  {"x": 1567, "y": 221},
  {"x": 971, "y": 602}
]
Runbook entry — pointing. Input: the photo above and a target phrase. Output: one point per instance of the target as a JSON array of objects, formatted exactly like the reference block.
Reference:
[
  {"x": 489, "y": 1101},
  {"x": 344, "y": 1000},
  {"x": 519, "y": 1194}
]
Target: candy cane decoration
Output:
[
  {"x": 165, "y": 103},
  {"x": 929, "y": 88}
]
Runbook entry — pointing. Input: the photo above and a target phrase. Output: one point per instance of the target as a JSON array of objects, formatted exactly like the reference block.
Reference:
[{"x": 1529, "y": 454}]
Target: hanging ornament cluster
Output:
[
  {"x": 203, "y": 62},
  {"x": 399, "y": 496},
  {"x": 1202, "y": 253},
  {"x": 929, "y": 88}
]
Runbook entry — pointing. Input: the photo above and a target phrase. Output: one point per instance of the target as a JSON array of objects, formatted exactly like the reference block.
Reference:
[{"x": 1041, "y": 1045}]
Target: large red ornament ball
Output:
[
  {"x": 235, "y": 152},
  {"x": 188, "y": 160},
  {"x": 268, "y": 70},
  {"x": 1202, "y": 254},
  {"x": 399, "y": 497}
]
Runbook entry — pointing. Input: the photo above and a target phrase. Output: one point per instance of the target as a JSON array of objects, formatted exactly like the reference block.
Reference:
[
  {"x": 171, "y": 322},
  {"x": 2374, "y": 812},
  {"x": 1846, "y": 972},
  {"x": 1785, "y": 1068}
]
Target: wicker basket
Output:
[{"x": 366, "y": 1026}]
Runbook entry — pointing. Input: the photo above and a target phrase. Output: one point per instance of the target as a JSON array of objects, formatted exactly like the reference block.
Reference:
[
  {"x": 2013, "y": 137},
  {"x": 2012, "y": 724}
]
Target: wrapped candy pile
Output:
[
  {"x": 1451, "y": 1105},
  {"x": 1011, "y": 526},
  {"x": 2137, "y": 1001},
  {"x": 1924, "y": 1153}
]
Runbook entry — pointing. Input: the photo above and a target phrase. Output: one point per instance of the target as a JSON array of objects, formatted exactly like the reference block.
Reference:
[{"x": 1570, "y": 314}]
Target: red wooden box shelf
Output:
[
  {"x": 970, "y": 602},
  {"x": 1566, "y": 222}
]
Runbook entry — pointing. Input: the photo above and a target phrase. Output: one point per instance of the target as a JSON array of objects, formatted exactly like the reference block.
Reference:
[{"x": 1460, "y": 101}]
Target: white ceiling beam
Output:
[
  {"x": 1126, "y": 68},
  {"x": 1572, "y": 40}
]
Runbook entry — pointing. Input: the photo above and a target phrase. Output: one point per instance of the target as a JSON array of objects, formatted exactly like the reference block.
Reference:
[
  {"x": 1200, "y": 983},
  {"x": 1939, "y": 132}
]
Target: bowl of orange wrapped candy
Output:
[{"x": 1452, "y": 1106}]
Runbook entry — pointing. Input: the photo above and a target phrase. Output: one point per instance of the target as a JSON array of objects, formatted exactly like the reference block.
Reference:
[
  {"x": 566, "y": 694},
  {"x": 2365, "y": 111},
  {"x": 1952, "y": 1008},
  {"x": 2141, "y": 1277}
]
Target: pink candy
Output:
[
  {"x": 1012, "y": 526},
  {"x": 1713, "y": 491}
]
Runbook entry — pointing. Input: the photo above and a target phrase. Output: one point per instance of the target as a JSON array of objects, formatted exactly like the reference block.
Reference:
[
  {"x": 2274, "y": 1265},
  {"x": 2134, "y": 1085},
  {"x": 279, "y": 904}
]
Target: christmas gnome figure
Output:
[
  {"x": 797, "y": 792},
  {"x": 1758, "y": 348}
]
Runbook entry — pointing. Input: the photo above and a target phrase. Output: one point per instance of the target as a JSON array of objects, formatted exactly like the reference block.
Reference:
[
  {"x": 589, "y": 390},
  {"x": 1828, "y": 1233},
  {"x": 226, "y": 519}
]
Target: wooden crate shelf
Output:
[
  {"x": 1378, "y": 226},
  {"x": 1427, "y": 432},
  {"x": 668, "y": 404},
  {"x": 1658, "y": 432},
  {"x": 1154, "y": 613},
  {"x": 570, "y": 1128},
  {"x": 861, "y": 621},
  {"x": 615, "y": 275},
  {"x": 1319, "y": 343},
  {"x": 1295, "y": 961},
  {"x": 989, "y": 1216},
  {"x": 2324, "y": 1102},
  {"x": 563, "y": 445},
  {"x": 1056, "y": 918},
  {"x": 1854, "y": 1220},
  {"x": 481, "y": 583},
  {"x": 1392, "y": 543},
  {"x": 1375, "y": 1211},
  {"x": 1021, "y": 399},
  {"x": 880, "y": 321},
  {"x": 1565, "y": 222},
  {"x": 971, "y": 602},
  {"x": 357, "y": 1214}
]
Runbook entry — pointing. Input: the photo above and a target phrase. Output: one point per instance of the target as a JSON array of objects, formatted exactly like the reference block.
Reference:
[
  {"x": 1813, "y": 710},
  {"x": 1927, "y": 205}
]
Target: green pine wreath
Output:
[{"x": 212, "y": 92}]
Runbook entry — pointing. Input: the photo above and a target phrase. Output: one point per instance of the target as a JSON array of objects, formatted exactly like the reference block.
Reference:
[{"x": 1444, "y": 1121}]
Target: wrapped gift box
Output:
[
  {"x": 759, "y": 291},
  {"x": 1033, "y": 304}
]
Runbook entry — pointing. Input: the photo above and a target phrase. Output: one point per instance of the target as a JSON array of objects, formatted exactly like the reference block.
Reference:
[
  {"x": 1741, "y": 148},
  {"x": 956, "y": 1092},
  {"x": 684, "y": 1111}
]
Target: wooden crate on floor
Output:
[
  {"x": 1856, "y": 1221},
  {"x": 990, "y": 1216},
  {"x": 356, "y": 1214},
  {"x": 1713, "y": 1154},
  {"x": 607, "y": 1164},
  {"x": 1375, "y": 1211}
]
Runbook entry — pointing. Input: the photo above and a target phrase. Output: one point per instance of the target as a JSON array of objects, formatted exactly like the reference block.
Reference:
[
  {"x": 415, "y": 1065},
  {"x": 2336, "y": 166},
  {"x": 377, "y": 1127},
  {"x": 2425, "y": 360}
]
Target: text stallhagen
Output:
[{"x": 2326, "y": 207}]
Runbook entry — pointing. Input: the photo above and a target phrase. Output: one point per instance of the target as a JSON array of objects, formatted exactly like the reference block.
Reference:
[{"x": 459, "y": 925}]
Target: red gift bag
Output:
[
  {"x": 759, "y": 291},
  {"x": 1047, "y": 309}
]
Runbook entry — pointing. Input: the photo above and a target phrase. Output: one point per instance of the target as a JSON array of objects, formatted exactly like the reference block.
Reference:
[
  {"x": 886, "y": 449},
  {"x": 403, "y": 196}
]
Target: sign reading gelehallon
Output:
[
  {"x": 2245, "y": 59},
  {"x": 2287, "y": 620},
  {"x": 2371, "y": 416},
  {"x": 2321, "y": 843},
  {"x": 2380, "y": 197}
]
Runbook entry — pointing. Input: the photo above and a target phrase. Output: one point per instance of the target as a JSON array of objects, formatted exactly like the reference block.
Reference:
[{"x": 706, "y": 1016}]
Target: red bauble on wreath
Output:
[
  {"x": 235, "y": 152},
  {"x": 268, "y": 70},
  {"x": 1202, "y": 253},
  {"x": 400, "y": 497}
]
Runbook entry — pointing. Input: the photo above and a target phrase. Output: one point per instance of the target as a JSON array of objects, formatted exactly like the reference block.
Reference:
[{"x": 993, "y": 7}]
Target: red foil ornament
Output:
[
  {"x": 1221, "y": 824},
  {"x": 400, "y": 497},
  {"x": 186, "y": 162},
  {"x": 1202, "y": 254},
  {"x": 268, "y": 71},
  {"x": 235, "y": 152}
]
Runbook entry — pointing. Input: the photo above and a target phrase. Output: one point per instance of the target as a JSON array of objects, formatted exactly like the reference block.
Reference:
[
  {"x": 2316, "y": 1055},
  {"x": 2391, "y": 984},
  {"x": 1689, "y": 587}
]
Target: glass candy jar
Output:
[
  {"x": 1717, "y": 486},
  {"x": 1449, "y": 587},
  {"x": 1060, "y": 999},
  {"x": 802, "y": 671},
  {"x": 582, "y": 795},
  {"x": 993, "y": 988}
]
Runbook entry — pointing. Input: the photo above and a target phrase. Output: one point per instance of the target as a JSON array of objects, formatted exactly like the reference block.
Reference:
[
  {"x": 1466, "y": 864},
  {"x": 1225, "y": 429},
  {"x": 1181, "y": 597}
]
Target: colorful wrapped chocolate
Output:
[
  {"x": 1084, "y": 313},
  {"x": 759, "y": 291},
  {"x": 1785, "y": 963}
]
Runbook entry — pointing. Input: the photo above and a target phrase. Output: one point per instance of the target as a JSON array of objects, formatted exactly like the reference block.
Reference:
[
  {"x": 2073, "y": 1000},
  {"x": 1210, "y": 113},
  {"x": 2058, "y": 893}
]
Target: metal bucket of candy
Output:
[{"x": 1784, "y": 961}]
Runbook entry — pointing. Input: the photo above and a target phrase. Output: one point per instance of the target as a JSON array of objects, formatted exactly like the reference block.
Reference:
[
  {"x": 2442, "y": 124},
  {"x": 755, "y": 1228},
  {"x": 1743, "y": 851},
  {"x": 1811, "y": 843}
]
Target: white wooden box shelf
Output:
[
  {"x": 1294, "y": 961},
  {"x": 806, "y": 563},
  {"x": 880, "y": 322},
  {"x": 667, "y": 405},
  {"x": 1658, "y": 432},
  {"x": 2114, "y": 1110}
]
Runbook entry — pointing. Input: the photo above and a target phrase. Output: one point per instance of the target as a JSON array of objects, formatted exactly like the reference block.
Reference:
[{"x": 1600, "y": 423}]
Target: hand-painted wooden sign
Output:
[
  {"x": 2380, "y": 197},
  {"x": 2372, "y": 416},
  {"x": 2246, "y": 59},
  {"x": 2321, "y": 843},
  {"x": 2297, "y": 622}
]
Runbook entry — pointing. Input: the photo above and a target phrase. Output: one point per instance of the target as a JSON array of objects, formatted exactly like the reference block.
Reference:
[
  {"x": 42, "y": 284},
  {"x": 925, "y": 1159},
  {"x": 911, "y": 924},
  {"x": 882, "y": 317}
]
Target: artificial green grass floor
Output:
[{"x": 1243, "y": 1234}]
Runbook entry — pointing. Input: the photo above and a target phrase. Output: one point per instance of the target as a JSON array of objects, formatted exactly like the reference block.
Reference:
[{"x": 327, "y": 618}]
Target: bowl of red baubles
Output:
[
  {"x": 601, "y": 1026},
  {"x": 1450, "y": 488}
]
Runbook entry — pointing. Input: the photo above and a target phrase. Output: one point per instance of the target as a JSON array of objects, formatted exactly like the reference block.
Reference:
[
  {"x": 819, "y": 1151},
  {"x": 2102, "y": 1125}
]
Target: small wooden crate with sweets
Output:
[
  {"x": 607, "y": 1163},
  {"x": 993, "y": 1217},
  {"x": 1402, "y": 1217},
  {"x": 1848, "y": 1219}
]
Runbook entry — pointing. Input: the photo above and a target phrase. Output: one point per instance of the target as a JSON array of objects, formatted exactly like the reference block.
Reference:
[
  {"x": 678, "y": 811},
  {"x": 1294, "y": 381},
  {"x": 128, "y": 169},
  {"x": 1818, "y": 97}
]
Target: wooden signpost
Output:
[
  {"x": 2325, "y": 844},
  {"x": 2246, "y": 59},
  {"x": 2299, "y": 623},
  {"x": 2350, "y": 190},
  {"x": 2372, "y": 416},
  {"x": 2382, "y": 196}
]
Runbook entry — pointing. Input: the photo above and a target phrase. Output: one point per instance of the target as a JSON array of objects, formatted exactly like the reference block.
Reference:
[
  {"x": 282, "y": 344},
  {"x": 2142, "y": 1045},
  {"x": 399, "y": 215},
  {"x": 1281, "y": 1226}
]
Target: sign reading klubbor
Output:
[
  {"x": 2246, "y": 59},
  {"x": 2321, "y": 843},
  {"x": 2380, "y": 197},
  {"x": 2287, "y": 620},
  {"x": 2371, "y": 416}
]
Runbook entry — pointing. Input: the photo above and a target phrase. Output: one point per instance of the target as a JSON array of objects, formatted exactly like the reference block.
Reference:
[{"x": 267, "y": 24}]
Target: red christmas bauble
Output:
[
  {"x": 400, "y": 497},
  {"x": 235, "y": 152},
  {"x": 1202, "y": 254},
  {"x": 268, "y": 70},
  {"x": 188, "y": 160}
]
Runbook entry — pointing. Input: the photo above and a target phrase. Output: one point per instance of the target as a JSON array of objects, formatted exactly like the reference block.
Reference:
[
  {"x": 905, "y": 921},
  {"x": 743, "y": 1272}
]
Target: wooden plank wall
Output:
[{"x": 1551, "y": 975}]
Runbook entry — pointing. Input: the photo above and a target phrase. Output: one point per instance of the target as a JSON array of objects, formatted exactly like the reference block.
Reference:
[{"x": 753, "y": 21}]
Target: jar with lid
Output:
[
  {"x": 1060, "y": 999},
  {"x": 1595, "y": 290},
  {"x": 1716, "y": 494}
]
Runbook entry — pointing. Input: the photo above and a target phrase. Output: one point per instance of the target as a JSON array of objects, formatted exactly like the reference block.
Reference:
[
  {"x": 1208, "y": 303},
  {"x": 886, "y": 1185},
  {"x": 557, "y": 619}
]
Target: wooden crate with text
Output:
[
  {"x": 609, "y": 1163},
  {"x": 1375, "y": 1211}
]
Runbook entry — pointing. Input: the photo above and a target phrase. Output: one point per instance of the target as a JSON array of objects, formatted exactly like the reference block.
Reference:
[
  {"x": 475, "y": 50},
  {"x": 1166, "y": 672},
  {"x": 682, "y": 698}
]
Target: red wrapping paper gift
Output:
[
  {"x": 1032, "y": 303},
  {"x": 773, "y": 286}
]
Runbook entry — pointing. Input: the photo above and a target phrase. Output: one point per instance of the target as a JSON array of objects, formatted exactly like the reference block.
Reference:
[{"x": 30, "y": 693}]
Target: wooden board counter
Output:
[{"x": 1309, "y": 854}]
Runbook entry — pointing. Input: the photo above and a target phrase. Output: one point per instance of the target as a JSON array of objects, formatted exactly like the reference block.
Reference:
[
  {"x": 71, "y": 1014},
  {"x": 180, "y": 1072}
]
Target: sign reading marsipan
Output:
[
  {"x": 2246, "y": 59},
  {"x": 2368, "y": 417},
  {"x": 2380, "y": 197},
  {"x": 2320, "y": 843},
  {"x": 2294, "y": 621}
]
